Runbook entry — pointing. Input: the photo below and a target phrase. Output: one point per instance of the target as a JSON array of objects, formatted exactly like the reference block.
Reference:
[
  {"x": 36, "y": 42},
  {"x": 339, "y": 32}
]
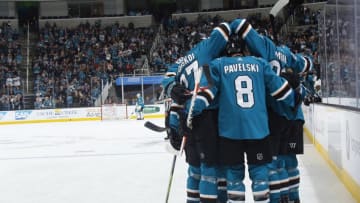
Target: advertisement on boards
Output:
[
  {"x": 350, "y": 143},
  {"x": 320, "y": 127}
]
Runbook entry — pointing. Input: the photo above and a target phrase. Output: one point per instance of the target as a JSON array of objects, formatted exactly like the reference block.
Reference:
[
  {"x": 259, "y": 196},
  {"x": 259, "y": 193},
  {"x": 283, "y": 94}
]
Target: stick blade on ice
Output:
[{"x": 154, "y": 127}]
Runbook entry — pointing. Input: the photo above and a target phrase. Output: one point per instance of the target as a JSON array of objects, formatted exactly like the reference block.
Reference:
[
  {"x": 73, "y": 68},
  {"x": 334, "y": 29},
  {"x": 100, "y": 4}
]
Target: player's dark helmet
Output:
[
  {"x": 234, "y": 46},
  {"x": 263, "y": 31}
]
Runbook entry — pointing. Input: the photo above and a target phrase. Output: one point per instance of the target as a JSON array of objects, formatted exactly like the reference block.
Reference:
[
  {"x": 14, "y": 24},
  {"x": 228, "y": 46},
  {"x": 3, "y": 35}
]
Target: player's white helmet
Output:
[{"x": 138, "y": 95}]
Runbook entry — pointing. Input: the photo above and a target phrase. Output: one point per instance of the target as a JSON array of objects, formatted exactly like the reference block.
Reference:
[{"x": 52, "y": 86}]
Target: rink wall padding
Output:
[
  {"x": 71, "y": 114},
  {"x": 334, "y": 133}
]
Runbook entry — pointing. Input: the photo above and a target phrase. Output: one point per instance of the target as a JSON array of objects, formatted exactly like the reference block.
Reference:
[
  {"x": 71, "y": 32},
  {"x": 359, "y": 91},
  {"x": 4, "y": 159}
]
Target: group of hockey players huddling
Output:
[{"x": 245, "y": 110}]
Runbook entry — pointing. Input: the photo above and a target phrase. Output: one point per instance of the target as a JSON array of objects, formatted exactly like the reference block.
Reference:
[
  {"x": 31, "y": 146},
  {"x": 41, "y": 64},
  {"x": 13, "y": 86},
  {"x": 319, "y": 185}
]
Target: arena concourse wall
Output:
[
  {"x": 138, "y": 21},
  {"x": 13, "y": 22},
  {"x": 334, "y": 132}
]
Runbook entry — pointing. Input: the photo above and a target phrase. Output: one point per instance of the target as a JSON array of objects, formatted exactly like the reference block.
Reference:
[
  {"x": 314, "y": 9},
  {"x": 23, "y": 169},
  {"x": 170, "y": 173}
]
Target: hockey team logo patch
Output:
[
  {"x": 292, "y": 145},
  {"x": 259, "y": 156}
]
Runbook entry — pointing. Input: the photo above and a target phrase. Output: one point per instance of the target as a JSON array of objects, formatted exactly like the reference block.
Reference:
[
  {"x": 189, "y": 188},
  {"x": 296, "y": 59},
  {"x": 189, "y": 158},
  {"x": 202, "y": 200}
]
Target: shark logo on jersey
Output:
[{"x": 259, "y": 156}]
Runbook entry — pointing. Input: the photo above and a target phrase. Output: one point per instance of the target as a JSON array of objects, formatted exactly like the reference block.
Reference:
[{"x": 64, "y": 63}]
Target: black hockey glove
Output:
[
  {"x": 173, "y": 122},
  {"x": 312, "y": 99},
  {"x": 183, "y": 128},
  {"x": 180, "y": 94},
  {"x": 167, "y": 115},
  {"x": 298, "y": 98},
  {"x": 175, "y": 138},
  {"x": 317, "y": 99},
  {"x": 292, "y": 78},
  {"x": 307, "y": 100}
]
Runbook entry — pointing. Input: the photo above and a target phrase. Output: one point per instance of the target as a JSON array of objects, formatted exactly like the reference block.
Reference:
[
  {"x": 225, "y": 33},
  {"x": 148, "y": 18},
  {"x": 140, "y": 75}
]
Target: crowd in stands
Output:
[
  {"x": 304, "y": 15},
  {"x": 71, "y": 65},
  {"x": 178, "y": 36},
  {"x": 340, "y": 51},
  {"x": 10, "y": 60},
  {"x": 337, "y": 49}
]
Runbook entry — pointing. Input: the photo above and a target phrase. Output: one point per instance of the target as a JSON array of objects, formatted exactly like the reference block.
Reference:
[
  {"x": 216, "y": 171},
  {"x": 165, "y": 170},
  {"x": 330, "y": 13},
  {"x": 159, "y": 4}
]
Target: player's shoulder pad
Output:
[{"x": 308, "y": 63}]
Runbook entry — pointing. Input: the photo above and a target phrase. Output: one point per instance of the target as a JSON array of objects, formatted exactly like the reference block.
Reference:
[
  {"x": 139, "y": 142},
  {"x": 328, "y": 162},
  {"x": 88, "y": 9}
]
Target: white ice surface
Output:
[{"x": 114, "y": 162}]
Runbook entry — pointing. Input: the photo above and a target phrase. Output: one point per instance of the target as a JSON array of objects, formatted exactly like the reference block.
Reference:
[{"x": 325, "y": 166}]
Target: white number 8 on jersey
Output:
[{"x": 244, "y": 94}]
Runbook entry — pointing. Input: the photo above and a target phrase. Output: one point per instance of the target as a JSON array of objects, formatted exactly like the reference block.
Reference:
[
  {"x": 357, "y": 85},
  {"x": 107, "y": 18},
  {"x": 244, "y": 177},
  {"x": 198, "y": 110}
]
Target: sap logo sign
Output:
[
  {"x": 2, "y": 114},
  {"x": 22, "y": 115}
]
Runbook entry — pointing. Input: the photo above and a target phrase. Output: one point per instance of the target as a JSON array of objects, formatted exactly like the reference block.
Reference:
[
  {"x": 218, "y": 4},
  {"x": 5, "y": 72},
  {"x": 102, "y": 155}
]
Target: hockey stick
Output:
[
  {"x": 154, "y": 127},
  {"x": 170, "y": 180},
  {"x": 313, "y": 93},
  {"x": 273, "y": 13},
  {"x": 197, "y": 77},
  {"x": 279, "y": 5},
  {"x": 207, "y": 74},
  {"x": 157, "y": 128}
]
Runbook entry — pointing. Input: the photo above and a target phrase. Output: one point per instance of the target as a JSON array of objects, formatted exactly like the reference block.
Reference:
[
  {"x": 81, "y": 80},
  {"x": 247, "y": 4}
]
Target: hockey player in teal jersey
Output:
[
  {"x": 240, "y": 87},
  {"x": 264, "y": 47},
  {"x": 139, "y": 109},
  {"x": 200, "y": 146},
  {"x": 284, "y": 122}
]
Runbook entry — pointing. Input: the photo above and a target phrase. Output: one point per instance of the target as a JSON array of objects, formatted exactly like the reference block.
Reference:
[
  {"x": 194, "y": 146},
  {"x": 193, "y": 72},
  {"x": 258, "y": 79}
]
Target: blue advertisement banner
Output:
[
  {"x": 146, "y": 80},
  {"x": 22, "y": 114}
]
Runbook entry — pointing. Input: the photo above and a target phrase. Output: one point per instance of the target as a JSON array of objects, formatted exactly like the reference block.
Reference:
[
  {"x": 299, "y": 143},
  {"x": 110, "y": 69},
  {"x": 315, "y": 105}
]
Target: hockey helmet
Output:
[
  {"x": 263, "y": 31},
  {"x": 234, "y": 46}
]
